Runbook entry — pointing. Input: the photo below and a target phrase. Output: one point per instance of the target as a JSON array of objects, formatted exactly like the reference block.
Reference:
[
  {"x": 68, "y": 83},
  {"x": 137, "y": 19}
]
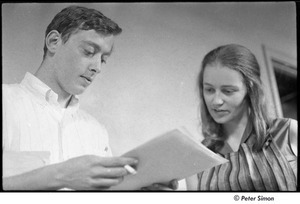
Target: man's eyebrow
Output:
[
  {"x": 94, "y": 45},
  {"x": 97, "y": 47}
]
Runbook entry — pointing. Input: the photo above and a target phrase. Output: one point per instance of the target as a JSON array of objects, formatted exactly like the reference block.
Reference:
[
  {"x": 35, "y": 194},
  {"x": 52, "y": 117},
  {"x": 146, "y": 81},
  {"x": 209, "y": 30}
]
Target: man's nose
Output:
[{"x": 96, "y": 66}]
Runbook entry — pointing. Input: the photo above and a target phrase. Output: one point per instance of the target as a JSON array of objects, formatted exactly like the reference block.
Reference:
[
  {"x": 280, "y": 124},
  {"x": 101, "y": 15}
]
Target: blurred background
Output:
[{"x": 148, "y": 85}]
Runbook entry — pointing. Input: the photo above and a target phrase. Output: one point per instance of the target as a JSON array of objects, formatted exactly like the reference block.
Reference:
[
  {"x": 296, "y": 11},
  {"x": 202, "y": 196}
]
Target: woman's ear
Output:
[{"x": 53, "y": 40}]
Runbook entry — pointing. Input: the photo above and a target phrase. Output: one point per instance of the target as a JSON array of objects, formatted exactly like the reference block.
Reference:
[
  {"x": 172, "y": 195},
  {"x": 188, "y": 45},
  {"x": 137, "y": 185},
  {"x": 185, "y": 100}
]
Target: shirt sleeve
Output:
[
  {"x": 293, "y": 135},
  {"x": 4, "y": 117},
  {"x": 11, "y": 97},
  {"x": 286, "y": 140},
  {"x": 7, "y": 118}
]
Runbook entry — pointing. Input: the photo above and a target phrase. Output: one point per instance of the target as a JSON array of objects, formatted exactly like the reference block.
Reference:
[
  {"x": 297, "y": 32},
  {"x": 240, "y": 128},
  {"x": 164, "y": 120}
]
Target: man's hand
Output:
[
  {"x": 92, "y": 172},
  {"x": 88, "y": 172},
  {"x": 171, "y": 186}
]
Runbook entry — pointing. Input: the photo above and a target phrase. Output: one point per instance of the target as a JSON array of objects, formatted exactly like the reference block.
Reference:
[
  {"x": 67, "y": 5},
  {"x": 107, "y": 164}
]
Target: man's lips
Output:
[{"x": 89, "y": 79}]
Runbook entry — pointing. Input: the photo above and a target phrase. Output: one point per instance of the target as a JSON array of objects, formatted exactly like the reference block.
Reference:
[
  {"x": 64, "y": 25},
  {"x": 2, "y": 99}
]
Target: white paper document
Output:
[{"x": 173, "y": 155}]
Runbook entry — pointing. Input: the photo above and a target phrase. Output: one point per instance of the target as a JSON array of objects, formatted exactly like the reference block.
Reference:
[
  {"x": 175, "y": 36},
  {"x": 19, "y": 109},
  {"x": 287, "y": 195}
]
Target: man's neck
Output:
[{"x": 46, "y": 75}]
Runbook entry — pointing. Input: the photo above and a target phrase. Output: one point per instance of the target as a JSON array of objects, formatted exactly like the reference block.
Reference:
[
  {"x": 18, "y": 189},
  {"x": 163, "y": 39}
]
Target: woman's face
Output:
[{"x": 224, "y": 93}]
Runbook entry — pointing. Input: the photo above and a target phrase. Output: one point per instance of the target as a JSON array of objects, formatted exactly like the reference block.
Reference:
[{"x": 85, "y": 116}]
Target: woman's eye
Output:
[
  {"x": 228, "y": 91},
  {"x": 208, "y": 90},
  {"x": 103, "y": 61}
]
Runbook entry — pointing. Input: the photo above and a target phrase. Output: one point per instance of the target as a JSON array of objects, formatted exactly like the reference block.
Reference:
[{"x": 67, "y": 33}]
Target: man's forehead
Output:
[
  {"x": 95, "y": 39},
  {"x": 90, "y": 35}
]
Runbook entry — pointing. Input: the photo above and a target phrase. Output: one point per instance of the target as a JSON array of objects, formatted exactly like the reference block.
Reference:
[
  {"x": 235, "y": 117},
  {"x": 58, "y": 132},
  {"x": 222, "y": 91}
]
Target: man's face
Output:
[{"x": 79, "y": 60}]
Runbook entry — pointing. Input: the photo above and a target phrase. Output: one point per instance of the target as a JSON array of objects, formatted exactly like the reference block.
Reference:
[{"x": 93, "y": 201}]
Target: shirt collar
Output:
[
  {"x": 44, "y": 93},
  {"x": 247, "y": 133}
]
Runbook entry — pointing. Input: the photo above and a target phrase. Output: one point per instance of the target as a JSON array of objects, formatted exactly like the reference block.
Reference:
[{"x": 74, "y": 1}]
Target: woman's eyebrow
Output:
[
  {"x": 230, "y": 86},
  {"x": 223, "y": 86},
  {"x": 205, "y": 83}
]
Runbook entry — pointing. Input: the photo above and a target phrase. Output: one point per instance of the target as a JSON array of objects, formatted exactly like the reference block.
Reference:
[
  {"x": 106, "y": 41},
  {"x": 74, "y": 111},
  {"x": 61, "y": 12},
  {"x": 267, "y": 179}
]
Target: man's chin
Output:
[{"x": 78, "y": 91}]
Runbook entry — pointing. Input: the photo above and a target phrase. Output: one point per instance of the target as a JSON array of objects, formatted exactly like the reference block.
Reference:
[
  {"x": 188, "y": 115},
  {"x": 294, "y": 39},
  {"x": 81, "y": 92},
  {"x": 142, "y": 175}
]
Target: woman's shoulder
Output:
[
  {"x": 285, "y": 131},
  {"x": 280, "y": 121},
  {"x": 293, "y": 135},
  {"x": 278, "y": 125}
]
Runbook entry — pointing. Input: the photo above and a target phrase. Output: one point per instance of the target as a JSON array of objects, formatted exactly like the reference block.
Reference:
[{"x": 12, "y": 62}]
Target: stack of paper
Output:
[{"x": 173, "y": 155}]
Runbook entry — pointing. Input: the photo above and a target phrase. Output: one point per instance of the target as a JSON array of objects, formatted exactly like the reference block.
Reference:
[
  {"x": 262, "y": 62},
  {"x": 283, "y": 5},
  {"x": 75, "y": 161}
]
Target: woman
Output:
[{"x": 261, "y": 152}]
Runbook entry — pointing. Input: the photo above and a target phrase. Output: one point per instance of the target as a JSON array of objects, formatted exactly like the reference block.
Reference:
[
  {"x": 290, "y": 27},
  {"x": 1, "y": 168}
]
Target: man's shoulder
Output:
[
  {"x": 11, "y": 90},
  {"x": 7, "y": 87}
]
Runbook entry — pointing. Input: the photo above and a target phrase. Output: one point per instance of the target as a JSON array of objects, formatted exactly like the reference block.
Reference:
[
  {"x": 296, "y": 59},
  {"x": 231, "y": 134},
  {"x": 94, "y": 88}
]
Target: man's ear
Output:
[{"x": 53, "y": 40}]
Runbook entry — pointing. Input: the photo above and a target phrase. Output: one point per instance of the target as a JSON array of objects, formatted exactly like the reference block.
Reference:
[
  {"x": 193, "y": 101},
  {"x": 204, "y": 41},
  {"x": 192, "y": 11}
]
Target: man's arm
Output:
[
  {"x": 39, "y": 179},
  {"x": 81, "y": 173}
]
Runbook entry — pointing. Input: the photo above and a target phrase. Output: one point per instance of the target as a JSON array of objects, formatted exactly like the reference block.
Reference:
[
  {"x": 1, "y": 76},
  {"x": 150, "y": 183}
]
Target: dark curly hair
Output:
[{"x": 75, "y": 18}]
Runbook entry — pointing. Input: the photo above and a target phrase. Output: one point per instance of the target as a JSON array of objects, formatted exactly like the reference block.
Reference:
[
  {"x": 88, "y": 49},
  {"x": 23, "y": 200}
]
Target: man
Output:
[{"x": 41, "y": 113}]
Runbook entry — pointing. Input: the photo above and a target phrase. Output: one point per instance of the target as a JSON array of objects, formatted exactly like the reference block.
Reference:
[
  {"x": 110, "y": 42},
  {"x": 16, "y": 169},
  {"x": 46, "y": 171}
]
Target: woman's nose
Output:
[{"x": 217, "y": 100}]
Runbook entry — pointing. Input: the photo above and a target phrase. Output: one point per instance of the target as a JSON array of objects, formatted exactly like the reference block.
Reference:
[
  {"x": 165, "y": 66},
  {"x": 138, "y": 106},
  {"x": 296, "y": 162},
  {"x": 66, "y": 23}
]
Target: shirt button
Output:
[{"x": 268, "y": 142}]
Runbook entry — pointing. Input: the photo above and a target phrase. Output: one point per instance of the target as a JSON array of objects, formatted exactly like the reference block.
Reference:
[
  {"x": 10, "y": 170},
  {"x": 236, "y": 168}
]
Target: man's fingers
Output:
[
  {"x": 173, "y": 184},
  {"x": 118, "y": 161},
  {"x": 109, "y": 172},
  {"x": 156, "y": 187},
  {"x": 100, "y": 183}
]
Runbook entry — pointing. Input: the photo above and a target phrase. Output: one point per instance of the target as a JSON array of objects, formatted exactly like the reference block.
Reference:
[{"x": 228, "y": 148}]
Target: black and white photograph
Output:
[{"x": 144, "y": 97}]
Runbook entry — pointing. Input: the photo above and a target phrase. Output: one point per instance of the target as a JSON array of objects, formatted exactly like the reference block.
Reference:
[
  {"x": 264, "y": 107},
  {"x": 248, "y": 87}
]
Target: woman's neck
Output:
[{"x": 234, "y": 131}]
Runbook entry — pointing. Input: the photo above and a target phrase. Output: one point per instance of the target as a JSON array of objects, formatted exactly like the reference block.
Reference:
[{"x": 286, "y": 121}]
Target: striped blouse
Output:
[{"x": 272, "y": 169}]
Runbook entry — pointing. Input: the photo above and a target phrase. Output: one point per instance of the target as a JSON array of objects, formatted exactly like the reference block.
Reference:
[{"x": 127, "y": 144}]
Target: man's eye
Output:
[
  {"x": 104, "y": 59},
  {"x": 88, "y": 53}
]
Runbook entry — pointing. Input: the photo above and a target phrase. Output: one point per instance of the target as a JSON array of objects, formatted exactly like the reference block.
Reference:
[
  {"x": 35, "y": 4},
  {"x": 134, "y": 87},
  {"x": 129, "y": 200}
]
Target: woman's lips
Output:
[{"x": 220, "y": 112}]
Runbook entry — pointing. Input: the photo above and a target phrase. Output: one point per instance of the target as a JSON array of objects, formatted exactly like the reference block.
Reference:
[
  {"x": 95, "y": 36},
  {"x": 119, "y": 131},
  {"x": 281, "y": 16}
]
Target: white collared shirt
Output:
[{"x": 34, "y": 121}]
